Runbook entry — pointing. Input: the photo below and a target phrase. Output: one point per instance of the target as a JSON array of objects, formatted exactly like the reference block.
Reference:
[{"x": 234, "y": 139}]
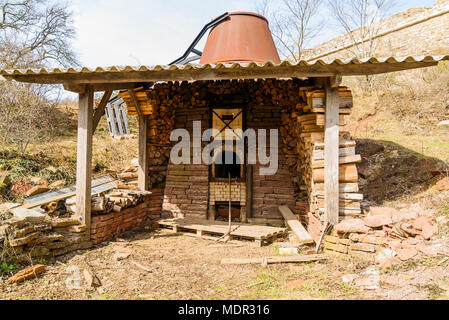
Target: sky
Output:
[{"x": 149, "y": 32}]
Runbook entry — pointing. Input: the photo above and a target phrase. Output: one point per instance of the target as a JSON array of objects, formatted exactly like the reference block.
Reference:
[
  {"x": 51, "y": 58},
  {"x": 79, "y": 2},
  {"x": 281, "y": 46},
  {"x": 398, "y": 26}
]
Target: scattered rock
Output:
[
  {"x": 352, "y": 226},
  {"x": 443, "y": 184},
  {"x": 36, "y": 190},
  {"x": 406, "y": 253},
  {"x": 57, "y": 184},
  {"x": 400, "y": 216},
  {"x": 390, "y": 280},
  {"x": 296, "y": 284},
  {"x": 91, "y": 279},
  {"x": 78, "y": 229},
  {"x": 430, "y": 251},
  {"x": 365, "y": 247},
  {"x": 29, "y": 215},
  {"x": 377, "y": 221},
  {"x": 385, "y": 256},
  {"x": 121, "y": 256},
  {"x": 367, "y": 280},
  {"x": 27, "y": 274},
  {"x": 20, "y": 187},
  {"x": 19, "y": 233},
  {"x": 24, "y": 240},
  {"x": 420, "y": 222},
  {"x": 429, "y": 230},
  {"x": 382, "y": 211},
  {"x": 39, "y": 181},
  {"x": 64, "y": 222}
]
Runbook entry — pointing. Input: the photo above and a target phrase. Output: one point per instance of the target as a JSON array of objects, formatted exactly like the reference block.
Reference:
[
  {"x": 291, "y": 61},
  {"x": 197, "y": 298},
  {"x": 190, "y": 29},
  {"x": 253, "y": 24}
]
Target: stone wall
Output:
[
  {"x": 33, "y": 238},
  {"x": 417, "y": 31}
]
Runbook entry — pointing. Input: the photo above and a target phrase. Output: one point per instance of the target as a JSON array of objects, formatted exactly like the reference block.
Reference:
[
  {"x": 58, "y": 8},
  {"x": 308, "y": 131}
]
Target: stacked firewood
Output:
[
  {"x": 302, "y": 130},
  {"x": 124, "y": 195},
  {"x": 303, "y": 136},
  {"x": 115, "y": 201}
]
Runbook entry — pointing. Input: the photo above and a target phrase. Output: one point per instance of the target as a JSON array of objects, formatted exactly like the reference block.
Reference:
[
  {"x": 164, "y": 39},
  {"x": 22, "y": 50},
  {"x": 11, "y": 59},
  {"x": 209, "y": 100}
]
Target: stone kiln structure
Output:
[{"x": 293, "y": 107}]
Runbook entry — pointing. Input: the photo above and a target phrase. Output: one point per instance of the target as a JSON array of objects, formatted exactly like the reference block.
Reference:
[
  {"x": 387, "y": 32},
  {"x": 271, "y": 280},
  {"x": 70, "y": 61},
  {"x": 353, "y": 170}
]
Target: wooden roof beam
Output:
[{"x": 99, "y": 87}]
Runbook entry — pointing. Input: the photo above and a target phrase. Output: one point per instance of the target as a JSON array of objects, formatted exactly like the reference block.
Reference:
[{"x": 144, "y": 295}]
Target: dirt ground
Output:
[{"x": 161, "y": 265}]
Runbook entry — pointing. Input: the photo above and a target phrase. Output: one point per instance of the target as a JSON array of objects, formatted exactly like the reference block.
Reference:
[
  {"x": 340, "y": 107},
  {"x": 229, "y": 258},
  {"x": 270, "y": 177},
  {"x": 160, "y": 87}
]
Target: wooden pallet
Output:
[{"x": 259, "y": 234}]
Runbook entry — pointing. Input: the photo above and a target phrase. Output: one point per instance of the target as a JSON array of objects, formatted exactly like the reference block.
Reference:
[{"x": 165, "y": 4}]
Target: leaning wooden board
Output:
[
  {"x": 272, "y": 260},
  {"x": 99, "y": 185},
  {"x": 295, "y": 225}
]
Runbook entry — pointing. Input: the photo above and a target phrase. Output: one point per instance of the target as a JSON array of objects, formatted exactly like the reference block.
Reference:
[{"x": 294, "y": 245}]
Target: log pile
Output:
[
  {"x": 115, "y": 201},
  {"x": 303, "y": 134},
  {"x": 124, "y": 195}
]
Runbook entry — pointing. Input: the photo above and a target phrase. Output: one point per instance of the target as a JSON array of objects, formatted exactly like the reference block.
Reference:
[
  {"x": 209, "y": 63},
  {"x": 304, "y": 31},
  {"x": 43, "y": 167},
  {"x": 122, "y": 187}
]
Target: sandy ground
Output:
[{"x": 161, "y": 265}]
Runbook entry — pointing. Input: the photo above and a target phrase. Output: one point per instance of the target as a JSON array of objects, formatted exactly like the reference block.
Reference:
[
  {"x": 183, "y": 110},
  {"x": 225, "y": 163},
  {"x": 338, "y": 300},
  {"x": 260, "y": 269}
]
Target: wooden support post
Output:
[
  {"x": 143, "y": 139},
  {"x": 331, "y": 155},
  {"x": 84, "y": 156},
  {"x": 143, "y": 154},
  {"x": 249, "y": 191}
]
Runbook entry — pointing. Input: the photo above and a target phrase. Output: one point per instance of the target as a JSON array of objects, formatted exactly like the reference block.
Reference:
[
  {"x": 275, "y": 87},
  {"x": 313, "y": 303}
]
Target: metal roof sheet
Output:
[{"x": 221, "y": 71}]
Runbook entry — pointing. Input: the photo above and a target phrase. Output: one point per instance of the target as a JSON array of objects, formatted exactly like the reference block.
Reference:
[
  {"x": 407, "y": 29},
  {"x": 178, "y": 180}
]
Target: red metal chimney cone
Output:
[{"x": 244, "y": 37}]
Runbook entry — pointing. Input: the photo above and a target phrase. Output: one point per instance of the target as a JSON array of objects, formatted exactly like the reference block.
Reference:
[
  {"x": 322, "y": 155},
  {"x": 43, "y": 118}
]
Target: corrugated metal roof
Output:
[{"x": 191, "y": 72}]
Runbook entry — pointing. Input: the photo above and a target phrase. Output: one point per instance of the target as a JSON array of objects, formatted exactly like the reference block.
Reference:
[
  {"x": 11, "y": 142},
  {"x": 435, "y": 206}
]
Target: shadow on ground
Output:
[{"x": 389, "y": 171}]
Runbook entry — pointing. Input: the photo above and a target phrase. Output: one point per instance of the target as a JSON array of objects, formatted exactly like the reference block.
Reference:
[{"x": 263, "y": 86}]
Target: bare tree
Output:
[
  {"x": 293, "y": 24},
  {"x": 361, "y": 21},
  {"x": 34, "y": 33}
]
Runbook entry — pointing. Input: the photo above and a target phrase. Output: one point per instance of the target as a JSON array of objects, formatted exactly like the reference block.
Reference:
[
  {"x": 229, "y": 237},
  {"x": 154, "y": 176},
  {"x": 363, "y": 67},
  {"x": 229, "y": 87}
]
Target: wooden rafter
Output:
[{"x": 135, "y": 102}]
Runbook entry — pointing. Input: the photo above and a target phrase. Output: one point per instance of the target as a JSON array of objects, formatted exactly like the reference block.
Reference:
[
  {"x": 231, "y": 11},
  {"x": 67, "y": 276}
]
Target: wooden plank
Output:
[
  {"x": 111, "y": 120},
  {"x": 319, "y": 164},
  {"x": 100, "y": 109},
  {"x": 346, "y": 173},
  {"x": 125, "y": 119},
  {"x": 344, "y": 187},
  {"x": 295, "y": 225},
  {"x": 118, "y": 116},
  {"x": 274, "y": 260},
  {"x": 84, "y": 157},
  {"x": 331, "y": 156},
  {"x": 342, "y": 152}
]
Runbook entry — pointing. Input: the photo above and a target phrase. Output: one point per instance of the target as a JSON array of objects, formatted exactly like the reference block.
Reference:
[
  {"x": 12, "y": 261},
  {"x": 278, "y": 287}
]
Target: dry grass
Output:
[{"x": 59, "y": 152}]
